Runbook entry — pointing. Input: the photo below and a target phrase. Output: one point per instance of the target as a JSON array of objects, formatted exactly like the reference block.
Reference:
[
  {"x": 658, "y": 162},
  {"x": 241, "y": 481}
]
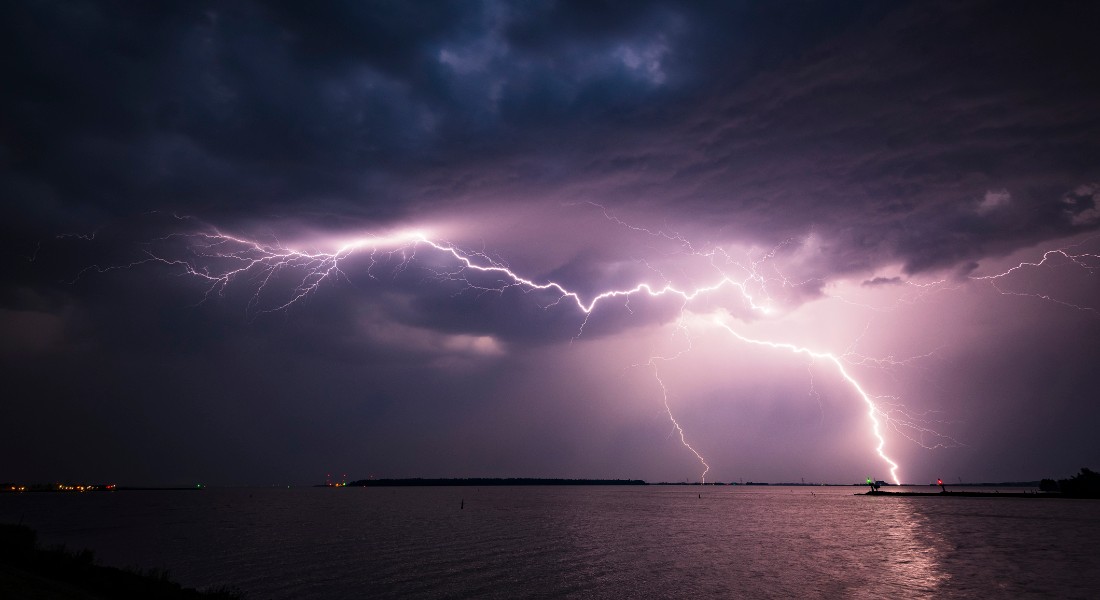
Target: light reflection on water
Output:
[{"x": 584, "y": 542}]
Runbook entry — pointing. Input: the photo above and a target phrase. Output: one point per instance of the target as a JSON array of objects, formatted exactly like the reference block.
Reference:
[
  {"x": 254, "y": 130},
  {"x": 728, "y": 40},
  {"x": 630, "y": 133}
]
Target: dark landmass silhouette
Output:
[
  {"x": 28, "y": 570},
  {"x": 488, "y": 481},
  {"x": 1085, "y": 484}
]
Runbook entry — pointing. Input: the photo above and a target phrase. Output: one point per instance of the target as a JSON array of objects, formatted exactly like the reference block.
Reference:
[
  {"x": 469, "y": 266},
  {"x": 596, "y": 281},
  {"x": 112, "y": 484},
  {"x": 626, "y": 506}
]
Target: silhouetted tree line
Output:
[
  {"x": 19, "y": 551},
  {"x": 1085, "y": 484}
]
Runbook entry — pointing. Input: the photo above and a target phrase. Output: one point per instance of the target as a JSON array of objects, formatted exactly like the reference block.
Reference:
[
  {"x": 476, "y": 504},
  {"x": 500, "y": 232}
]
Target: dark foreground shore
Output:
[{"x": 29, "y": 571}]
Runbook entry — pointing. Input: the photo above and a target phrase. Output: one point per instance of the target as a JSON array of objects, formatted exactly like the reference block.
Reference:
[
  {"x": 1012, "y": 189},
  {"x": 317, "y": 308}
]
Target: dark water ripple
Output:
[{"x": 584, "y": 542}]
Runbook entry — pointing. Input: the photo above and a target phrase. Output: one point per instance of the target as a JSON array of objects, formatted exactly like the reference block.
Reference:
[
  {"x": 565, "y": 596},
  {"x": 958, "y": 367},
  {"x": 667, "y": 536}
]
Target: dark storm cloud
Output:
[
  {"x": 885, "y": 133},
  {"x": 887, "y": 139},
  {"x": 870, "y": 122},
  {"x": 926, "y": 135},
  {"x": 117, "y": 108},
  {"x": 930, "y": 136},
  {"x": 223, "y": 110}
]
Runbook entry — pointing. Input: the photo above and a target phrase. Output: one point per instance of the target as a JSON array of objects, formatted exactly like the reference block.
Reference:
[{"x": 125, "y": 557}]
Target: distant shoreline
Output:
[
  {"x": 97, "y": 490},
  {"x": 491, "y": 481},
  {"x": 483, "y": 482}
]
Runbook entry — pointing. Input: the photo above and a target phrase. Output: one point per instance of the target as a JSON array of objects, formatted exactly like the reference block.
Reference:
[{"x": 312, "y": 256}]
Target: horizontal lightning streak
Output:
[
  {"x": 588, "y": 307},
  {"x": 1087, "y": 261}
]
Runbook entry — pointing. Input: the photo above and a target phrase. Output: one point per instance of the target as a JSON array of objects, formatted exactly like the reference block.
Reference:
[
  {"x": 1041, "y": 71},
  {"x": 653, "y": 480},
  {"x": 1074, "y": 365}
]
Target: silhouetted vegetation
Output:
[
  {"x": 491, "y": 481},
  {"x": 29, "y": 567},
  {"x": 1085, "y": 484}
]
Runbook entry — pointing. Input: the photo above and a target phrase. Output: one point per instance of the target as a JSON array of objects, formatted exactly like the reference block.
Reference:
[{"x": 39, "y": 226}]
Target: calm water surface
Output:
[{"x": 584, "y": 542}]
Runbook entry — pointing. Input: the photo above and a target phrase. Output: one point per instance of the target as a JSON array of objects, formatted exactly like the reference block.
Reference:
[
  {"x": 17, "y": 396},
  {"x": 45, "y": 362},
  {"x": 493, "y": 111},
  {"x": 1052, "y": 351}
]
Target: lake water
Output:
[{"x": 584, "y": 542}]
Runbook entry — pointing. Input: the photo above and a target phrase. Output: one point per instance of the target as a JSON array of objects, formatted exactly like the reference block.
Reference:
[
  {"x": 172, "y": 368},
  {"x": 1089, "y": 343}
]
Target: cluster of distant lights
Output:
[
  {"x": 82, "y": 488},
  {"x": 262, "y": 263},
  {"x": 62, "y": 487},
  {"x": 336, "y": 484}
]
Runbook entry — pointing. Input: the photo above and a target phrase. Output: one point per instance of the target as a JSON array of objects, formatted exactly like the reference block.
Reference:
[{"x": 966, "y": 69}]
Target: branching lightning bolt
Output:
[
  {"x": 220, "y": 260},
  {"x": 241, "y": 258},
  {"x": 680, "y": 430},
  {"x": 1089, "y": 262},
  {"x": 873, "y": 412}
]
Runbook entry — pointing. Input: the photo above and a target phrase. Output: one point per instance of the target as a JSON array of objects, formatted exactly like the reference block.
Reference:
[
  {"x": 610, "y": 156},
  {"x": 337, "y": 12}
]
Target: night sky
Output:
[{"x": 863, "y": 177}]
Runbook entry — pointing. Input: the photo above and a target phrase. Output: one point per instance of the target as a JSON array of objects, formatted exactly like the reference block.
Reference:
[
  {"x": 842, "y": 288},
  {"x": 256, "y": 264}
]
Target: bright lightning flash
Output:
[
  {"x": 220, "y": 260},
  {"x": 872, "y": 409}
]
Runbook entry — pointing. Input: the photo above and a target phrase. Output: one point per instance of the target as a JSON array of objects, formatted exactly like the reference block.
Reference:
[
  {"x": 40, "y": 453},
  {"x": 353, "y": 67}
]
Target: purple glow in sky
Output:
[{"x": 257, "y": 243}]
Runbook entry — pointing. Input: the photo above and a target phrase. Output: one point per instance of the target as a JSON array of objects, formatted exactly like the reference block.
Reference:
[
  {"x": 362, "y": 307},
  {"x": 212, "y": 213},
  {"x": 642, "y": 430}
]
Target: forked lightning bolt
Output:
[
  {"x": 873, "y": 411},
  {"x": 220, "y": 259},
  {"x": 1088, "y": 262}
]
